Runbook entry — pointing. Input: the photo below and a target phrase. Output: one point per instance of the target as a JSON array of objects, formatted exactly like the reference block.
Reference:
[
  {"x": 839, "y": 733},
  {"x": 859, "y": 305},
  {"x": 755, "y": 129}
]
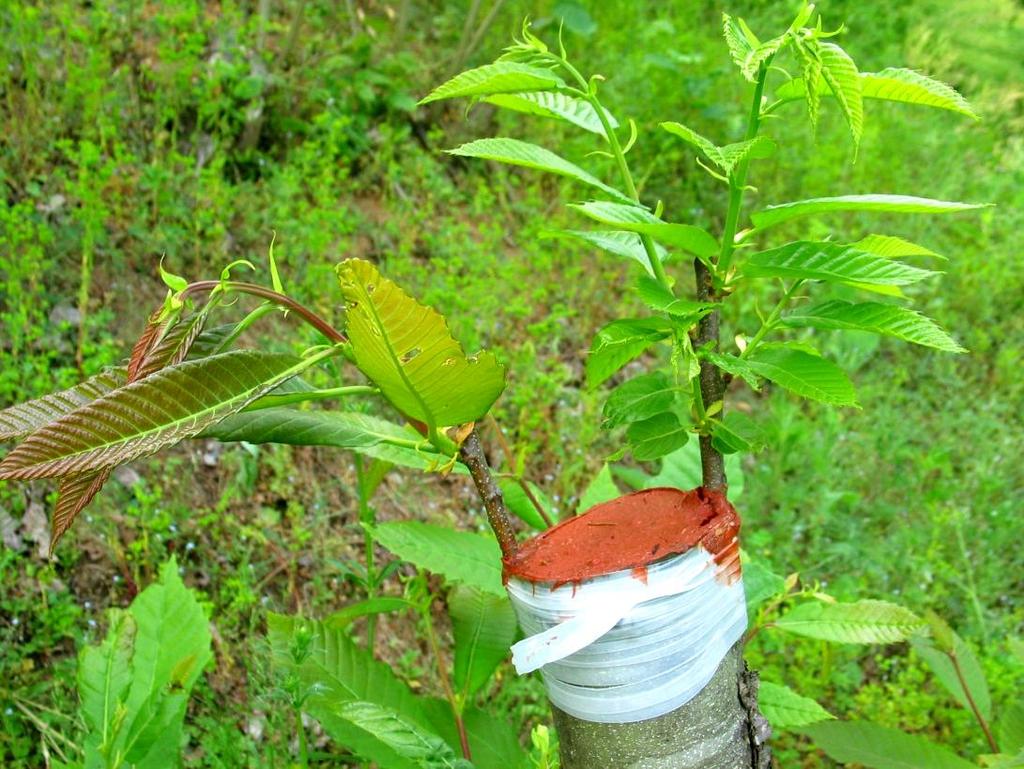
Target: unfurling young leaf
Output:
[
  {"x": 406, "y": 349},
  {"x": 840, "y": 73}
]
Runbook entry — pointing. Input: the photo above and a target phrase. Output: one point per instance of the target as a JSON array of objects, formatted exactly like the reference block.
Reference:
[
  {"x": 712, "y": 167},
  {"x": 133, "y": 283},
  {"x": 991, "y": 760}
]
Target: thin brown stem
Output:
[
  {"x": 523, "y": 484},
  {"x": 442, "y": 673},
  {"x": 472, "y": 455},
  {"x": 712, "y": 386},
  {"x": 970, "y": 701},
  {"x": 321, "y": 325}
]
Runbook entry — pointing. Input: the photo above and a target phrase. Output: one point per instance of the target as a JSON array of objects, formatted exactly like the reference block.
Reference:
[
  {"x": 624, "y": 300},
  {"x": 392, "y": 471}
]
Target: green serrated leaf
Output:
[
  {"x": 141, "y": 418},
  {"x": 484, "y": 628},
  {"x": 619, "y": 342},
  {"x": 727, "y": 157},
  {"x": 421, "y": 747},
  {"x": 616, "y": 242},
  {"x": 803, "y": 374},
  {"x": 499, "y": 77},
  {"x": 406, "y": 349},
  {"x": 740, "y": 47},
  {"x": 839, "y": 72},
  {"x": 902, "y": 204},
  {"x": 520, "y": 153},
  {"x": 656, "y": 436},
  {"x": 656, "y": 296},
  {"x": 635, "y": 219},
  {"x": 333, "y": 672},
  {"x": 601, "y": 488},
  {"x": 638, "y": 398},
  {"x": 954, "y": 676},
  {"x": 458, "y": 556},
  {"x": 785, "y": 709},
  {"x": 735, "y": 366},
  {"x": 559, "y": 106},
  {"x": 887, "y": 319},
  {"x": 104, "y": 677},
  {"x": 682, "y": 470},
  {"x": 831, "y": 262},
  {"x": 760, "y": 583},
  {"x": 362, "y": 433},
  {"x": 1011, "y": 729},
  {"x": 737, "y": 432},
  {"x": 893, "y": 247},
  {"x": 863, "y": 622},
  {"x": 910, "y": 87},
  {"x": 879, "y": 747}
]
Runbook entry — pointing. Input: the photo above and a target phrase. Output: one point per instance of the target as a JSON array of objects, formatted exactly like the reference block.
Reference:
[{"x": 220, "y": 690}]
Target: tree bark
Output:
[
  {"x": 712, "y": 387},
  {"x": 720, "y": 728}
]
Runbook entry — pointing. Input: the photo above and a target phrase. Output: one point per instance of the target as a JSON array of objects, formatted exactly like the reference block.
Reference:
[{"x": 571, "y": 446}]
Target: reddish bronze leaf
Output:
[{"x": 73, "y": 494}]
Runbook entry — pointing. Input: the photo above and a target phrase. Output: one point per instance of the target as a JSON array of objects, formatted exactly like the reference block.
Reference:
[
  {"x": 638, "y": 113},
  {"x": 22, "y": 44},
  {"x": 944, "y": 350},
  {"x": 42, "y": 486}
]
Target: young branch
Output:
[
  {"x": 472, "y": 455},
  {"x": 314, "y": 320},
  {"x": 712, "y": 385}
]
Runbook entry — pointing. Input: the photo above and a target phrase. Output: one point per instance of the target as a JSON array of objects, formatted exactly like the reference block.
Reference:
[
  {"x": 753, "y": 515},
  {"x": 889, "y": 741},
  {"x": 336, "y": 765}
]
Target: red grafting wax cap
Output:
[{"x": 629, "y": 533}]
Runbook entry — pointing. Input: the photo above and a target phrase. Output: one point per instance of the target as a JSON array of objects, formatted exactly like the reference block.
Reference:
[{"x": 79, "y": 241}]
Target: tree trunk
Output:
[{"x": 717, "y": 729}]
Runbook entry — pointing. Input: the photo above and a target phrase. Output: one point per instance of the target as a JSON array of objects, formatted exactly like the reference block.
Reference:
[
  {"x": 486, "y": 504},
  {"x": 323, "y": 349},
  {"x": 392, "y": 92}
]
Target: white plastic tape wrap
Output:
[{"x": 615, "y": 649}]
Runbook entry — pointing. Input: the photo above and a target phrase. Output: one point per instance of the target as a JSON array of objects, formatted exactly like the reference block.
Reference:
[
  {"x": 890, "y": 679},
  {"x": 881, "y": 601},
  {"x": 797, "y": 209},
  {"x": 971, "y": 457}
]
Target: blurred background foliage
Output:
[{"x": 194, "y": 130}]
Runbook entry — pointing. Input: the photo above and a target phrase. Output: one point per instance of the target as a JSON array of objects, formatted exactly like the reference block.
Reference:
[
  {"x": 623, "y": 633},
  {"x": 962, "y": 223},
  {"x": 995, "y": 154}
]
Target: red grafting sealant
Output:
[{"x": 629, "y": 533}]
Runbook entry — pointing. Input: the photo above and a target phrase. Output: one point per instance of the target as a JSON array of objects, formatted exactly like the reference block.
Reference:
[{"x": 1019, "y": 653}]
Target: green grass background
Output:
[{"x": 193, "y": 131}]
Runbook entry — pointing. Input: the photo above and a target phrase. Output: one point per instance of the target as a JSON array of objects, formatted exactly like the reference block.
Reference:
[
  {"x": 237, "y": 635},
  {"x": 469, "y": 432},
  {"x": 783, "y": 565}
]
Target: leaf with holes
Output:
[
  {"x": 786, "y": 709},
  {"x": 616, "y": 242},
  {"x": 555, "y": 105},
  {"x": 458, "y": 556},
  {"x": 638, "y": 398},
  {"x": 879, "y": 747},
  {"x": 635, "y": 219},
  {"x": 141, "y": 418},
  {"x": 520, "y": 153},
  {"x": 832, "y": 263},
  {"x": 657, "y": 436},
  {"x": 406, "y": 349},
  {"x": 362, "y": 433},
  {"x": 619, "y": 342},
  {"x": 804, "y": 374},
  {"x": 887, "y": 319},
  {"x": 863, "y": 622},
  {"x": 496, "y": 78},
  {"x": 23, "y": 418},
  {"x": 898, "y": 204},
  {"x": 484, "y": 627}
]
